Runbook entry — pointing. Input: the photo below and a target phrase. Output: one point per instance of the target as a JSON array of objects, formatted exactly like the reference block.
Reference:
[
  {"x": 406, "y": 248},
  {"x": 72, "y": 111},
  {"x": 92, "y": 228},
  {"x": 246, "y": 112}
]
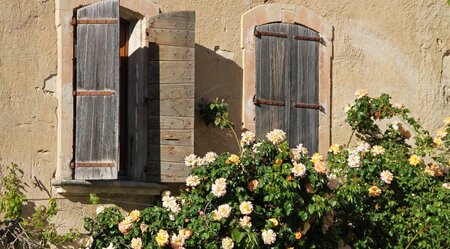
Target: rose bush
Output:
[{"x": 391, "y": 190}]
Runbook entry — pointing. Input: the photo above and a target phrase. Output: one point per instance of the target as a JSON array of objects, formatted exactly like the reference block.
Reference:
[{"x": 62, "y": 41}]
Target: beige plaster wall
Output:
[
  {"x": 393, "y": 46},
  {"x": 27, "y": 86}
]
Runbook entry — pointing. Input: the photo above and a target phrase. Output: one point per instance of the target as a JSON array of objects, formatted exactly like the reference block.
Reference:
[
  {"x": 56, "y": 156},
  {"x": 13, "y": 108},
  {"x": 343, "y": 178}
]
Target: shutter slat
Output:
[
  {"x": 305, "y": 65},
  {"x": 96, "y": 122},
  {"x": 272, "y": 76},
  {"x": 171, "y": 95}
]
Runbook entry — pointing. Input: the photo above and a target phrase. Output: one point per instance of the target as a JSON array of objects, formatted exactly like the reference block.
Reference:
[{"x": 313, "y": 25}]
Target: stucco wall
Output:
[
  {"x": 27, "y": 102},
  {"x": 399, "y": 47}
]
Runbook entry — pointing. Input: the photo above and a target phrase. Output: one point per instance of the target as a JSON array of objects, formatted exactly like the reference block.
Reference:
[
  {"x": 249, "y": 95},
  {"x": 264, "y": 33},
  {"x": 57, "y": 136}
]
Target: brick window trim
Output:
[
  {"x": 292, "y": 14},
  {"x": 64, "y": 10}
]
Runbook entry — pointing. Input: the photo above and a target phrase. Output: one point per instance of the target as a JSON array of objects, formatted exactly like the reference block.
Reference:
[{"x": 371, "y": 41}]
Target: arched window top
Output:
[{"x": 285, "y": 13}]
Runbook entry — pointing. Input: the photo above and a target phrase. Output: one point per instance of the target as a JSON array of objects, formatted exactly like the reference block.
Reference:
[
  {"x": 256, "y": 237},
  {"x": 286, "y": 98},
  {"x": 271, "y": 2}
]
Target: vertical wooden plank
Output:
[
  {"x": 171, "y": 95},
  {"x": 96, "y": 122},
  {"x": 306, "y": 71},
  {"x": 272, "y": 68}
]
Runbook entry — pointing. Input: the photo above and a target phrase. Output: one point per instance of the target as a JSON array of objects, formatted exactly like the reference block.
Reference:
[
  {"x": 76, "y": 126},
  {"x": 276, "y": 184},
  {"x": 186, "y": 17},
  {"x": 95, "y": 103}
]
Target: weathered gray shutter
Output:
[
  {"x": 304, "y": 117},
  {"x": 272, "y": 79},
  {"x": 171, "y": 95},
  {"x": 97, "y": 91},
  {"x": 287, "y": 82}
]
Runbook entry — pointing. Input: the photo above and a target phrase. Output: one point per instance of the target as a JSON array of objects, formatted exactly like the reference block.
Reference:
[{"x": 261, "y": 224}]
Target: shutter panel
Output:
[
  {"x": 272, "y": 79},
  {"x": 97, "y": 91},
  {"x": 287, "y": 82},
  {"x": 304, "y": 122},
  {"x": 171, "y": 95}
]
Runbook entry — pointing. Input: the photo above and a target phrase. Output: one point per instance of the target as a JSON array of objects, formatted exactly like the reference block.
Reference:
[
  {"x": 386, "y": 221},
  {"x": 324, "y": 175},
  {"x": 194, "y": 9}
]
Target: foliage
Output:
[
  {"x": 390, "y": 191},
  {"x": 35, "y": 231},
  {"x": 216, "y": 114}
]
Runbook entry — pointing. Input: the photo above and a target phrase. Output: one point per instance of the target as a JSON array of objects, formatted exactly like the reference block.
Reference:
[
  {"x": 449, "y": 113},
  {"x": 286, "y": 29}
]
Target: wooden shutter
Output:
[
  {"x": 272, "y": 79},
  {"x": 171, "y": 95},
  {"x": 304, "y": 121},
  {"x": 97, "y": 91},
  {"x": 287, "y": 82}
]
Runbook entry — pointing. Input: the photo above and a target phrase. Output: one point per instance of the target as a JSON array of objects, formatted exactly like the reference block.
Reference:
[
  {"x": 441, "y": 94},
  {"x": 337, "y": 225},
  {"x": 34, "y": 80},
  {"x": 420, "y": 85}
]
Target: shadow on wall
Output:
[{"x": 216, "y": 76}]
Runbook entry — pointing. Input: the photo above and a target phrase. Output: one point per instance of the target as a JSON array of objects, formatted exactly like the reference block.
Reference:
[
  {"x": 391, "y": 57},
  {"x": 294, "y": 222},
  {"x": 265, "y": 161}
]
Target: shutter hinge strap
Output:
[
  {"x": 308, "y": 38},
  {"x": 263, "y": 33},
  {"x": 93, "y": 93},
  {"x": 94, "y": 164},
  {"x": 94, "y": 21},
  {"x": 268, "y": 102},
  {"x": 309, "y": 106}
]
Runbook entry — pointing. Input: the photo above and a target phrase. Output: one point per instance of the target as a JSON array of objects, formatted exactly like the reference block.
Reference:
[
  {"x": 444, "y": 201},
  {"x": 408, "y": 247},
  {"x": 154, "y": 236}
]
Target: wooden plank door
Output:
[
  {"x": 97, "y": 91},
  {"x": 171, "y": 108}
]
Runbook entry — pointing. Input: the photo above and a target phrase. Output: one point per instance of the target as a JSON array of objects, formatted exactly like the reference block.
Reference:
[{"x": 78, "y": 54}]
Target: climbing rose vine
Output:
[{"x": 390, "y": 189}]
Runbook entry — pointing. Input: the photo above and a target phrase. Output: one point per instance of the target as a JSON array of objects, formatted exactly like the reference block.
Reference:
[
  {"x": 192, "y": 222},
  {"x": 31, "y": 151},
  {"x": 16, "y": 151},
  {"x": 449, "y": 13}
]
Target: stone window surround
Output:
[
  {"x": 293, "y": 14},
  {"x": 64, "y": 10}
]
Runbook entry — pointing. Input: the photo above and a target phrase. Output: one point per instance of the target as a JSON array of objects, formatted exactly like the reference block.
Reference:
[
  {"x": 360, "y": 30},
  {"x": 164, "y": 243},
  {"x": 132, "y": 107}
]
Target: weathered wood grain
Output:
[
  {"x": 172, "y": 37},
  {"x": 174, "y": 20},
  {"x": 272, "y": 78},
  {"x": 170, "y": 53},
  {"x": 305, "y": 72},
  {"x": 168, "y": 171},
  {"x": 169, "y": 153},
  {"x": 171, "y": 72},
  {"x": 171, "y": 137},
  {"x": 172, "y": 107},
  {"x": 169, "y": 122},
  {"x": 182, "y": 91},
  {"x": 96, "y": 122}
]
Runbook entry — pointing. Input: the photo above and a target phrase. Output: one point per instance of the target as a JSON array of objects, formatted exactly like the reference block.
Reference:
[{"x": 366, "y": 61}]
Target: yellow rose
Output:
[
  {"x": 316, "y": 157},
  {"x": 374, "y": 191},
  {"x": 437, "y": 141},
  {"x": 273, "y": 221},
  {"x": 298, "y": 235},
  {"x": 414, "y": 160},
  {"x": 335, "y": 148},
  {"x": 135, "y": 215},
  {"x": 162, "y": 237},
  {"x": 234, "y": 159}
]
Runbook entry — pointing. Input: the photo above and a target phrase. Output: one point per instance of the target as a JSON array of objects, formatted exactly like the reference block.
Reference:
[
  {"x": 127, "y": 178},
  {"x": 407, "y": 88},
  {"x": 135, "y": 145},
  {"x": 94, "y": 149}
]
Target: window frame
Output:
[
  {"x": 292, "y": 14},
  {"x": 64, "y": 10}
]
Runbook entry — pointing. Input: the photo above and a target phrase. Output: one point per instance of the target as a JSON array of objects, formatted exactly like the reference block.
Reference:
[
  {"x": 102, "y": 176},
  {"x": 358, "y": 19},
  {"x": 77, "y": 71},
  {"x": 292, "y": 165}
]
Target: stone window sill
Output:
[{"x": 120, "y": 187}]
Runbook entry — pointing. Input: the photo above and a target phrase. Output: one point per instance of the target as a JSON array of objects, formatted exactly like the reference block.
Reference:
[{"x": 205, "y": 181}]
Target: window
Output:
[
  {"x": 132, "y": 106},
  {"x": 287, "y": 51},
  {"x": 287, "y": 82}
]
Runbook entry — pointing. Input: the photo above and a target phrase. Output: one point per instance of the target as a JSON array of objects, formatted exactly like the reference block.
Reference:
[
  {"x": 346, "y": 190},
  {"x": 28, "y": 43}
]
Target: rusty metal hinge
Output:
[
  {"x": 308, "y": 38},
  {"x": 309, "y": 106},
  {"x": 263, "y": 33},
  {"x": 94, "y": 21},
  {"x": 268, "y": 102},
  {"x": 94, "y": 164},
  {"x": 93, "y": 93}
]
